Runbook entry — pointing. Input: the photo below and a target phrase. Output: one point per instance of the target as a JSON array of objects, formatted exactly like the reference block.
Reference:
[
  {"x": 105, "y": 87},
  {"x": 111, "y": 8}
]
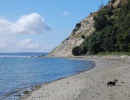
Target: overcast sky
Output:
[{"x": 40, "y": 25}]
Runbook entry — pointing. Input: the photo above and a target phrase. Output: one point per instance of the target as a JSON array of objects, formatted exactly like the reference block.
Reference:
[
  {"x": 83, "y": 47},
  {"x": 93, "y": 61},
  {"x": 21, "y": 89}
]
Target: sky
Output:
[{"x": 40, "y": 25}]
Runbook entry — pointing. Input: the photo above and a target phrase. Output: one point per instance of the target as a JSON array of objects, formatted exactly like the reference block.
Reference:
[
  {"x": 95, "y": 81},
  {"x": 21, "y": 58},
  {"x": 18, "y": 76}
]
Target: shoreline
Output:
[
  {"x": 21, "y": 93},
  {"x": 90, "y": 85}
]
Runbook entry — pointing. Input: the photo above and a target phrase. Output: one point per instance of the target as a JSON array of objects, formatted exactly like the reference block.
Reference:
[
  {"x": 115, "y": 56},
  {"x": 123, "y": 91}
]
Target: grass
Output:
[{"x": 113, "y": 53}]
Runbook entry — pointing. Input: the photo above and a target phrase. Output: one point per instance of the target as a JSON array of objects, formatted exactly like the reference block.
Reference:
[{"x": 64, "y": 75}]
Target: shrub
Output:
[
  {"x": 83, "y": 37},
  {"x": 75, "y": 51}
]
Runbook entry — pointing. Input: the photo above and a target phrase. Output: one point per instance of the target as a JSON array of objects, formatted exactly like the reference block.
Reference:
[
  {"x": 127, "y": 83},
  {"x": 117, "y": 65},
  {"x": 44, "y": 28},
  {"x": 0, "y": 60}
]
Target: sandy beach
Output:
[{"x": 90, "y": 85}]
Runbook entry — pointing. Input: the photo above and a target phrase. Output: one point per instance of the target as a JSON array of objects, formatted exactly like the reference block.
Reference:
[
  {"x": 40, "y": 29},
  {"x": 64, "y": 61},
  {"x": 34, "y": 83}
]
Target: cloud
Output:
[
  {"x": 4, "y": 43},
  {"x": 28, "y": 44},
  {"x": 27, "y": 24},
  {"x": 66, "y": 13},
  {"x": 7, "y": 45}
]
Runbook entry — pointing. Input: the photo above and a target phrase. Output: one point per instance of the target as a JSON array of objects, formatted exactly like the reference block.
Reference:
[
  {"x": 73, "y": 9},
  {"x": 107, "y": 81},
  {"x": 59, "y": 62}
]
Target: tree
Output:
[
  {"x": 101, "y": 21},
  {"x": 112, "y": 31},
  {"x": 75, "y": 51}
]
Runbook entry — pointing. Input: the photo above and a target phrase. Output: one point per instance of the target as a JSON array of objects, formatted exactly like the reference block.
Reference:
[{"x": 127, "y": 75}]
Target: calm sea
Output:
[{"x": 21, "y": 71}]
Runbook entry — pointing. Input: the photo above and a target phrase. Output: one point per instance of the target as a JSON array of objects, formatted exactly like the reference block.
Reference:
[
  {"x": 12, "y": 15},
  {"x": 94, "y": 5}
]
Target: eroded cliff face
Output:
[{"x": 85, "y": 27}]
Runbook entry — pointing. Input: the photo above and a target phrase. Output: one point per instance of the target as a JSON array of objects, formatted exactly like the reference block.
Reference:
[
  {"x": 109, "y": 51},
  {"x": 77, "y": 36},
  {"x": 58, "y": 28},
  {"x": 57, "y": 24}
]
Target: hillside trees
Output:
[{"x": 112, "y": 31}]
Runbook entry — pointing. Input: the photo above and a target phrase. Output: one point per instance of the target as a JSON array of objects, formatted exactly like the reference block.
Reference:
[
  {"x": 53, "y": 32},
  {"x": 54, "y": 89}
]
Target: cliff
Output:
[
  {"x": 82, "y": 29},
  {"x": 85, "y": 28}
]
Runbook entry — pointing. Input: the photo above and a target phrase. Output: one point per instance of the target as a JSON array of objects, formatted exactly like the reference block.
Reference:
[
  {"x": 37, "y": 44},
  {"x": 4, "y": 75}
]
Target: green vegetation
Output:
[
  {"x": 83, "y": 37},
  {"x": 112, "y": 31},
  {"x": 113, "y": 53},
  {"x": 75, "y": 51},
  {"x": 26, "y": 92}
]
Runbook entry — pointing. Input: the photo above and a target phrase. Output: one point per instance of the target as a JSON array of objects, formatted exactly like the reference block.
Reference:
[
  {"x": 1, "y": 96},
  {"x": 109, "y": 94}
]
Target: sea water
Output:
[{"x": 20, "y": 72}]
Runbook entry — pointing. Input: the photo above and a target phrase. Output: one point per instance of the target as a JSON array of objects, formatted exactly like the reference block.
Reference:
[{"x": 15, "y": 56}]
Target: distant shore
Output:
[{"x": 90, "y": 85}]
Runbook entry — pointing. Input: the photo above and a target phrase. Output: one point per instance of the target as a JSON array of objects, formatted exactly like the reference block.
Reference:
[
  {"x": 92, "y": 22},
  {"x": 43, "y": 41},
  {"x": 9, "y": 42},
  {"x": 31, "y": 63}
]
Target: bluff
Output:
[{"x": 84, "y": 29}]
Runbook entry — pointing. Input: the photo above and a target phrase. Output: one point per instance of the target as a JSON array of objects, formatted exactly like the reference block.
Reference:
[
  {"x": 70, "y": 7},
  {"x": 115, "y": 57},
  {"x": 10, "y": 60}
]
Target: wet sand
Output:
[{"x": 90, "y": 85}]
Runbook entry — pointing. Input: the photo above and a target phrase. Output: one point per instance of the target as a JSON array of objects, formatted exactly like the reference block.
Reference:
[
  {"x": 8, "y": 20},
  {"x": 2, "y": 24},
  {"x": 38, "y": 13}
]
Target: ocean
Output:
[{"x": 20, "y": 70}]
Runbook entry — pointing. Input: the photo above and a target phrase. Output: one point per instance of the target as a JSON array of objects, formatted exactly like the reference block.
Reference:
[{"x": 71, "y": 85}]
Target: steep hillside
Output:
[
  {"x": 83, "y": 28},
  {"x": 112, "y": 30},
  {"x": 88, "y": 27}
]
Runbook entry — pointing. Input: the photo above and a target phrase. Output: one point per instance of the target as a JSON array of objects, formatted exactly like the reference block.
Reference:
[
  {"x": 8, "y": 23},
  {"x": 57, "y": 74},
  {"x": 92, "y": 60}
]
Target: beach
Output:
[{"x": 90, "y": 85}]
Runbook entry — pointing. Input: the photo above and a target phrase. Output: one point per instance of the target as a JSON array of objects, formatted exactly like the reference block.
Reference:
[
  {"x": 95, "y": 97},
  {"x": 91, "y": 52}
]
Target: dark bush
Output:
[
  {"x": 83, "y": 37},
  {"x": 75, "y": 51}
]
